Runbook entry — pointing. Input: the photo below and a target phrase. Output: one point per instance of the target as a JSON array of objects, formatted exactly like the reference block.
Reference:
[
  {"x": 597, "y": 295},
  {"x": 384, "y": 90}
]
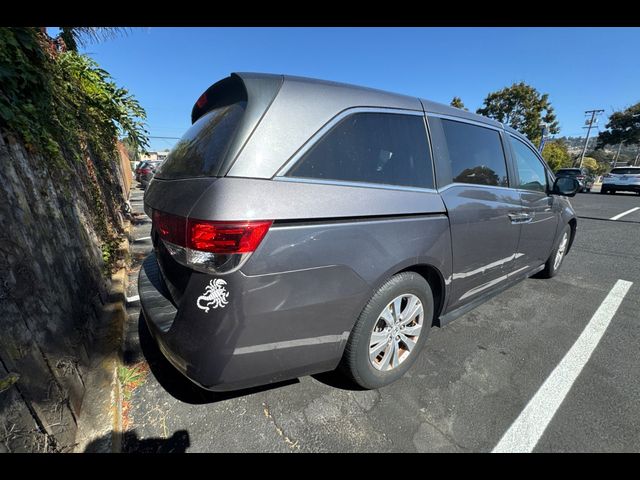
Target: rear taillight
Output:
[
  {"x": 145, "y": 171},
  {"x": 171, "y": 228},
  {"x": 226, "y": 237},
  {"x": 209, "y": 246}
]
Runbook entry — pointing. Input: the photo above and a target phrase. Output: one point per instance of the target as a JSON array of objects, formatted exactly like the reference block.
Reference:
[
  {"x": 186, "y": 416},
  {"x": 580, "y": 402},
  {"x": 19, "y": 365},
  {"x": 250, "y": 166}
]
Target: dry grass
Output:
[{"x": 130, "y": 377}]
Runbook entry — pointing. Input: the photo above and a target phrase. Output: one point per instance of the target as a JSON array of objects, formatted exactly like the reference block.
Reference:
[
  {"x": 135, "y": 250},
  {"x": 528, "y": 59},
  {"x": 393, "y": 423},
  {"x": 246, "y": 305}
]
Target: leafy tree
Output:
[
  {"x": 523, "y": 108},
  {"x": 63, "y": 102},
  {"x": 457, "y": 102},
  {"x": 623, "y": 126},
  {"x": 601, "y": 156},
  {"x": 592, "y": 164},
  {"x": 604, "y": 159},
  {"x": 556, "y": 154}
]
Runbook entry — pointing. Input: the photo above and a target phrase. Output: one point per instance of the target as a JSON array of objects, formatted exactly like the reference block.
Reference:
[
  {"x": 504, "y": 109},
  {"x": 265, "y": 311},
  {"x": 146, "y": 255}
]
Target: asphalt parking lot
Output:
[{"x": 476, "y": 379}]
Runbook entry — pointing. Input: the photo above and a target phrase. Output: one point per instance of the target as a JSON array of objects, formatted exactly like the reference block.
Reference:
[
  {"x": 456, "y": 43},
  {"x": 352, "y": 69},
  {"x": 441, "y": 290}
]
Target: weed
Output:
[{"x": 131, "y": 377}]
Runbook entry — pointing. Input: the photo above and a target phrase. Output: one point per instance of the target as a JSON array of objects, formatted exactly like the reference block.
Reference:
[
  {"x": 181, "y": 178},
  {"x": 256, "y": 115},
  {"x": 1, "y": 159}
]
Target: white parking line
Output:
[
  {"x": 141, "y": 239},
  {"x": 135, "y": 298},
  {"x": 526, "y": 430},
  {"x": 620, "y": 215}
]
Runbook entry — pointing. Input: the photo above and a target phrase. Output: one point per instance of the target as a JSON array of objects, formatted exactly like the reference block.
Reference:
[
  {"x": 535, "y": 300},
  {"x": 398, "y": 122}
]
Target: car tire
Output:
[
  {"x": 603, "y": 191},
  {"x": 553, "y": 264},
  {"x": 378, "y": 320}
]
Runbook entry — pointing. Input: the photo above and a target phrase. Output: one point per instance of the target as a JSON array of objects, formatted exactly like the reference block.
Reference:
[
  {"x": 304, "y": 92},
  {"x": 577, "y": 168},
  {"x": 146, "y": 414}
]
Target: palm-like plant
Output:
[{"x": 74, "y": 37}]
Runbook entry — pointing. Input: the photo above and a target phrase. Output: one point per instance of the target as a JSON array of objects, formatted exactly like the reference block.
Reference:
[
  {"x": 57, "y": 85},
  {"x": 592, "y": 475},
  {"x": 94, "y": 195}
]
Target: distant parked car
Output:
[
  {"x": 138, "y": 168},
  {"x": 622, "y": 179},
  {"x": 148, "y": 171},
  {"x": 583, "y": 176}
]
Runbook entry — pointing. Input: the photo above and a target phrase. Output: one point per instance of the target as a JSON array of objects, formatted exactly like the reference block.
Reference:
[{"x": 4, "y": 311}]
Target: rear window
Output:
[
  {"x": 201, "y": 150},
  {"x": 626, "y": 171}
]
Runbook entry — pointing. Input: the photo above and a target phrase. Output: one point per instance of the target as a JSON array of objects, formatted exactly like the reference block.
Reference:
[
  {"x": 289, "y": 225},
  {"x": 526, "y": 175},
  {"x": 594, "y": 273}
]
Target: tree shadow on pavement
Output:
[{"x": 180, "y": 387}]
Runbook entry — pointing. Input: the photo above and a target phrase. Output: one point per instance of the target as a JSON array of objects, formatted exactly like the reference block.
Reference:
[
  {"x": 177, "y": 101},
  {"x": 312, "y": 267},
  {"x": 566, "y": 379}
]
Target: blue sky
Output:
[{"x": 580, "y": 68}]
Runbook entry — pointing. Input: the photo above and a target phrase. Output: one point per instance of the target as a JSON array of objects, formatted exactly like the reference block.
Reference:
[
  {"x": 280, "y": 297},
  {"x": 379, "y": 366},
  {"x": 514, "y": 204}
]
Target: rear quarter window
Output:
[{"x": 380, "y": 148}]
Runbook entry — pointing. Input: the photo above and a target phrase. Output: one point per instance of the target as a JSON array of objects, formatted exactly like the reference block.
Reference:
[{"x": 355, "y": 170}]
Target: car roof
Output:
[
  {"x": 302, "y": 106},
  {"x": 326, "y": 90}
]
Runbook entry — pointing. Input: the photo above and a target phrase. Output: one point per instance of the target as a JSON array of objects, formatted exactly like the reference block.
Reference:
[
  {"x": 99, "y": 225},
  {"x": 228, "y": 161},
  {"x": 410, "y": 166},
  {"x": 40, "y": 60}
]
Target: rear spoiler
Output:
[
  {"x": 261, "y": 89},
  {"x": 256, "y": 90}
]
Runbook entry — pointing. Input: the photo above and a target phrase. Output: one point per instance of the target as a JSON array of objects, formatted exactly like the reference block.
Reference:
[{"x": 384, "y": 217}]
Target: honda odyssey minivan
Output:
[{"x": 301, "y": 226}]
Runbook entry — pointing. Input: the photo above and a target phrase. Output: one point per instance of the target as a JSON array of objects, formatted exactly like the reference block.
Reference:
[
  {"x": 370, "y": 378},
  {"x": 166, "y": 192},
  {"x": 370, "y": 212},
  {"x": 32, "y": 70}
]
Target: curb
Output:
[{"x": 100, "y": 421}]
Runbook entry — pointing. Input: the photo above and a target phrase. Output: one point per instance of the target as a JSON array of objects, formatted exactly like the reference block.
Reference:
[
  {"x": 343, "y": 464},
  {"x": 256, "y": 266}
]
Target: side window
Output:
[
  {"x": 531, "y": 171},
  {"x": 475, "y": 153},
  {"x": 367, "y": 147}
]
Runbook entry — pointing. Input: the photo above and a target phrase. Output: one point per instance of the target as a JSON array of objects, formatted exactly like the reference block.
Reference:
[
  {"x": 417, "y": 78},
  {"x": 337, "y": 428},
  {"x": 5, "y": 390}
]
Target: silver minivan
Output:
[{"x": 301, "y": 226}]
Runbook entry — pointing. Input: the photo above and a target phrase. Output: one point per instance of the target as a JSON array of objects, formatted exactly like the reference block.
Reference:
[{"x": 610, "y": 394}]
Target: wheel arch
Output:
[{"x": 434, "y": 278}]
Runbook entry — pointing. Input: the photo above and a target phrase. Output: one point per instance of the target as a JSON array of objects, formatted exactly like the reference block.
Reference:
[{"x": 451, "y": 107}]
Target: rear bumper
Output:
[
  {"x": 273, "y": 328},
  {"x": 621, "y": 188}
]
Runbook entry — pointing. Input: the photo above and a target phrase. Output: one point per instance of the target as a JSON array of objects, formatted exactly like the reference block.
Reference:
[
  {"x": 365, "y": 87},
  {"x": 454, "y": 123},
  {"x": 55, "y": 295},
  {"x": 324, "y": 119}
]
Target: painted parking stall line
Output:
[
  {"x": 133, "y": 299},
  {"x": 620, "y": 215},
  {"x": 527, "y": 429}
]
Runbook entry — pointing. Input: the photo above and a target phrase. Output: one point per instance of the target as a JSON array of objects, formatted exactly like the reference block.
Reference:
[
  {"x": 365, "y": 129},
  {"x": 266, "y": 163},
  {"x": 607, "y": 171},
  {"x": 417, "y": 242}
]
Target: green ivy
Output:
[
  {"x": 63, "y": 106},
  {"x": 109, "y": 254}
]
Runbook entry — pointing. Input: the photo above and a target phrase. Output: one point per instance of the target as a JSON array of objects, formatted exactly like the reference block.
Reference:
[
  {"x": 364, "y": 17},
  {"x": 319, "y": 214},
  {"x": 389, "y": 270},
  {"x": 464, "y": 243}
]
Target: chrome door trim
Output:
[{"x": 346, "y": 183}]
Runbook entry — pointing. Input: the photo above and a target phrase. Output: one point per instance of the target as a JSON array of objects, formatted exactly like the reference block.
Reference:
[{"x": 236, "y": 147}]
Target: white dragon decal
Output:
[{"x": 215, "y": 295}]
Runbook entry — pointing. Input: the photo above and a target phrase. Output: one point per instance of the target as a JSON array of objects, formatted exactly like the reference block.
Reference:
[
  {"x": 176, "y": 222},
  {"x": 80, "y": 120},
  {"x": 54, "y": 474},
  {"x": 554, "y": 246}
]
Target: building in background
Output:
[{"x": 155, "y": 155}]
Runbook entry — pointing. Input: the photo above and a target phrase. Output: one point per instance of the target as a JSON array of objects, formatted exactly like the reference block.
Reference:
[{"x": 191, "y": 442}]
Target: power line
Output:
[{"x": 167, "y": 138}]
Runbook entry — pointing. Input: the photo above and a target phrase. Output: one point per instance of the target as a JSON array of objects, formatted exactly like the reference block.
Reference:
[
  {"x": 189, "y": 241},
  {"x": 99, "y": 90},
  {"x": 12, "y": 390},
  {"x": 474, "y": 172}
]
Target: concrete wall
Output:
[{"x": 51, "y": 289}]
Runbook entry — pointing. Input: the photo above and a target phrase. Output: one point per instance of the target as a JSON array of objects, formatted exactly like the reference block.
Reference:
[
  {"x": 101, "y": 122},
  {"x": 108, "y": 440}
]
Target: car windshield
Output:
[{"x": 626, "y": 171}]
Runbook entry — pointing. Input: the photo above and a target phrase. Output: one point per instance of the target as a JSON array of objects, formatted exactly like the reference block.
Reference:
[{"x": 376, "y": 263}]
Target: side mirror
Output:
[{"x": 567, "y": 186}]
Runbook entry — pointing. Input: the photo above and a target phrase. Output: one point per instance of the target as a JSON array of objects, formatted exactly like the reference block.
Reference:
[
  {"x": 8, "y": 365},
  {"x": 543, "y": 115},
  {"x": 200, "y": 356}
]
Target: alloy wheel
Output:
[{"x": 396, "y": 332}]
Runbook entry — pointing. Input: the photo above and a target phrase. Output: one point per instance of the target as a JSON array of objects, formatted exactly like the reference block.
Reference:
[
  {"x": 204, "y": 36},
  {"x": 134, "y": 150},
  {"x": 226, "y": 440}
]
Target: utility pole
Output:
[
  {"x": 543, "y": 138},
  {"x": 615, "y": 159},
  {"x": 590, "y": 122}
]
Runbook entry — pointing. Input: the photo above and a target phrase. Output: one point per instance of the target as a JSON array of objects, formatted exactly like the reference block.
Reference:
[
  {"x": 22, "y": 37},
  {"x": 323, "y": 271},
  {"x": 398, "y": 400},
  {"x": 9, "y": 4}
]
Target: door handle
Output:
[{"x": 520, "y": 217}]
